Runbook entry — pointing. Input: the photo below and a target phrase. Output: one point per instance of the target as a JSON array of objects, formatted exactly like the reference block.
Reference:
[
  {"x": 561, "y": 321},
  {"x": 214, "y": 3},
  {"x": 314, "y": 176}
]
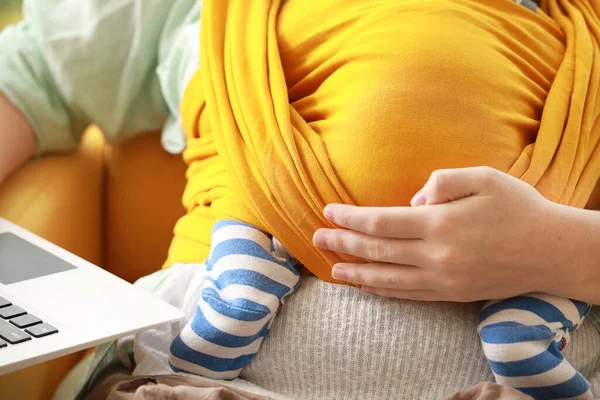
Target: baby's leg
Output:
[
  {"x": 523, "y": 338},
  {"x": 244, "y": 286}
]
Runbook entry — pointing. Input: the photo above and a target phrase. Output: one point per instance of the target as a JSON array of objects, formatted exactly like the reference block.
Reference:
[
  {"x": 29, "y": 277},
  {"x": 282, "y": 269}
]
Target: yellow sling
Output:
[{"x": 301, "y": 104}]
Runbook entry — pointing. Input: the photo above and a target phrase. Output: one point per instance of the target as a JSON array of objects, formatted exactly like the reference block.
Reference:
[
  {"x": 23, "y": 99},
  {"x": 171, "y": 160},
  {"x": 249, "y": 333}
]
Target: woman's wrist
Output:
[{"x": 575, "y": 247}]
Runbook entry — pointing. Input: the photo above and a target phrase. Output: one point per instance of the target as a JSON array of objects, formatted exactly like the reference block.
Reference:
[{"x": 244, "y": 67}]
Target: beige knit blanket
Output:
[{"x": 335, "y": 342}]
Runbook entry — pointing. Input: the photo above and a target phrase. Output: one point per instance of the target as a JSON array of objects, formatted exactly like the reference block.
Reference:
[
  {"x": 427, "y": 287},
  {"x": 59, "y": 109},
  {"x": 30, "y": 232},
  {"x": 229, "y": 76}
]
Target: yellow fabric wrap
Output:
[{"x": 304, "y": 103}]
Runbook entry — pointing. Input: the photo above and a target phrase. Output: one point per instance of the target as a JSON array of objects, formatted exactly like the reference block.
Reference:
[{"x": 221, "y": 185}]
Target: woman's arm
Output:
[
  {"x": 472, "y": 234},
  {"x": 16, "y": 139}
]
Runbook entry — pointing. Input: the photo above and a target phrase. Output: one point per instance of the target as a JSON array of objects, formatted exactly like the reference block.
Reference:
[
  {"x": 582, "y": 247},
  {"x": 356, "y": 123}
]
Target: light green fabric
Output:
[{"x": 120, "y": 64}]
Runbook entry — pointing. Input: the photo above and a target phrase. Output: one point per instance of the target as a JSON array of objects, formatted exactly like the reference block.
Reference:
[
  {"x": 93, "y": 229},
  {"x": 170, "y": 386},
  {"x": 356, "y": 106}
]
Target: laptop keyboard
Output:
[{"x": 18, "y": 326}]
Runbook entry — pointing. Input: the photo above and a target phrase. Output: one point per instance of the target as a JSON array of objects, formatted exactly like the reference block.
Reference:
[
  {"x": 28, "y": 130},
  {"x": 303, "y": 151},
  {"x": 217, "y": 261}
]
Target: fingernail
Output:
[
  {"x": 320, "y": 239},
  {"x": 339, "y": 273},
  {"x": 328, "y": 212},
  {"x": 418, "y": 199}
]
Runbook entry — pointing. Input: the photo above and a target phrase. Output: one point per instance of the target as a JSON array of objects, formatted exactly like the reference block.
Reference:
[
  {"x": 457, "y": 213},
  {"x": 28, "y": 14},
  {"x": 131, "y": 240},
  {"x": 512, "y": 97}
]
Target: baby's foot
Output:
[
  {"x": 244, "y": 287},
  {"x": 523, "y": 339}
]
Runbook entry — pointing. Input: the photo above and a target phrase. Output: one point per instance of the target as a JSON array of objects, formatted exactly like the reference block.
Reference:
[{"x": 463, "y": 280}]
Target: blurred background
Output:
[
  {"x": 113, "y": 205},
  {"x": 10, "y": 12}
]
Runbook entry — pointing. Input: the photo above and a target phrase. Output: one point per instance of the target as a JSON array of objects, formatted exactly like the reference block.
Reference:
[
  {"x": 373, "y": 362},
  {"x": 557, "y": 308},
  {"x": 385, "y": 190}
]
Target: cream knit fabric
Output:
[{"x": 335, "y": 342}]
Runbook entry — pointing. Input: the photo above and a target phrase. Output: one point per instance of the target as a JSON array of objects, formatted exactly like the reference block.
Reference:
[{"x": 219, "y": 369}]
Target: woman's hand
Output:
[{"x": 472, "y": 234}]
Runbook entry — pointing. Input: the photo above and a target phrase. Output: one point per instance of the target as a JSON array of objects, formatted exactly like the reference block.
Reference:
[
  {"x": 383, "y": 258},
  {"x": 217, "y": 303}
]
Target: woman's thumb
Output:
[{"x": 446, "y": 185}]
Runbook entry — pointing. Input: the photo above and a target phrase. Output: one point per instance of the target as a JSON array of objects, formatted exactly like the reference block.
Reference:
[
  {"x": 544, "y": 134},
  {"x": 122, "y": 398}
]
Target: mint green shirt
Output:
[{"x": 120, "y": 64}]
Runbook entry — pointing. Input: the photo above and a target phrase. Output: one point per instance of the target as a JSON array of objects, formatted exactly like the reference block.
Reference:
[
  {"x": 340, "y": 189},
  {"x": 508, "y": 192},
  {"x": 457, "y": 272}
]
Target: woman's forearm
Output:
[
  {"x": 17, "y": 142},
  {"x": 578, "y": 248}
]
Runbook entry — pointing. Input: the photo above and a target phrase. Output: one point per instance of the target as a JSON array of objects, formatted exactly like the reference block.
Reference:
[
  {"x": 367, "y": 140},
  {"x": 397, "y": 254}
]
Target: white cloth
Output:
[{"x": 181, "y": 289}]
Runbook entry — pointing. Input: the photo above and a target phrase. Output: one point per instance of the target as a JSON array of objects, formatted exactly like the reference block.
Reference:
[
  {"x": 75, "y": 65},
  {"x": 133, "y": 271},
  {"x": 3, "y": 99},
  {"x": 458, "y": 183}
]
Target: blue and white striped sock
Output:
[
  {"x": 243, "y": 289},
  {"x": 523, "y": 338}
]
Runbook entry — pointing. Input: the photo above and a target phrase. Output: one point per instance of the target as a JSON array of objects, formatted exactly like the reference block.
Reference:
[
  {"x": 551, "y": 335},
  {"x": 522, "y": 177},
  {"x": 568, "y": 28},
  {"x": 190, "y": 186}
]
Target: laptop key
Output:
[
  {"x": 3, "y": 343},
  {"x": 25, "y": 321},
  {"x": 11, "y": 312},
  {"x": 11, "y": 334},
  {"x": 41, "y": 330},
  {"x": 4, "y": 302}
]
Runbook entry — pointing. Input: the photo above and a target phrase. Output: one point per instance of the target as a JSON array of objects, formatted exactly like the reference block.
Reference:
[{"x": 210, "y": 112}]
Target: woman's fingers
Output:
[
  {"x": 390, "y": 222},
  {"x": 385, "y": 276},
  {"x": 409, "y": 252}
]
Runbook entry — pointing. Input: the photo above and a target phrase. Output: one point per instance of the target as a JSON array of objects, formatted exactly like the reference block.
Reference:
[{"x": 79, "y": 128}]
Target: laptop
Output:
[{"x": 53, "y": 303}]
